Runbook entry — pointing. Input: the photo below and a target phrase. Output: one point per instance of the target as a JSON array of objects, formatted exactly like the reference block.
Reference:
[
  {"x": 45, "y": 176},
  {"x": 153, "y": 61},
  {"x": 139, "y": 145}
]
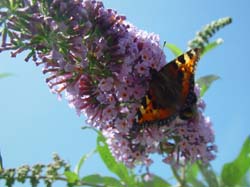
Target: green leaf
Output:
[
  {"x": 117, "y": 168},
  {"x": 3, "y": 75},
  {"x": 192, "y": 172},
  {"x": 208, "y": 174},
  {"x": 174, "y": 49},
  {"x": 72, "y": 177},
  {"x": 211, "y": 46},
  {"x": 233, "y": 172},
  {"x": 82, "y": 160},
  {"x": 205, "y": 82},
  {"x": 245, "y": 181},
  {"x": 101, "y": 180},
  {"x": 156, "y": 182}
]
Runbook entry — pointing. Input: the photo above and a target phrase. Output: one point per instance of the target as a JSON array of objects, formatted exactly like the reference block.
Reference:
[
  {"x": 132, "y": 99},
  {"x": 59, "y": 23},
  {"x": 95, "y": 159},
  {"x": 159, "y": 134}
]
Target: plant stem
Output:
[
  {"x": 183, "y": 176},
  {"x": 178, "y": 177}
]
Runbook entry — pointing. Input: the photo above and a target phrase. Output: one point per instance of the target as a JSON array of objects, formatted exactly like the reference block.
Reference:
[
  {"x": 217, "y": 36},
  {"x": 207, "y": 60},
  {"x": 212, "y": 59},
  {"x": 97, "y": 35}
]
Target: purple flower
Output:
[
  {"x": 106, "y": 84},
  {"x": 109, "y": 113},
  {"x": 143, "y": 68},
  {"x": 102, "y": 63}
]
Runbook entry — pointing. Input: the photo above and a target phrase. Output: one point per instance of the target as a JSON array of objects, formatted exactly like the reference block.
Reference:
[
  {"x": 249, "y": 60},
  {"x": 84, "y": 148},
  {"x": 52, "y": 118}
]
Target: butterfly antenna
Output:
[
  {"x": 1, "y": 163},
  {"x": 162, "y": 49}
]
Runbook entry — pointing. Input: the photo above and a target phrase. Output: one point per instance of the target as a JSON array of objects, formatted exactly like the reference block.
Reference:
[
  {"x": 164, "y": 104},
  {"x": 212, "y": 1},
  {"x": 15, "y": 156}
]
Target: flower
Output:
[{"x": 102, "y": 63}]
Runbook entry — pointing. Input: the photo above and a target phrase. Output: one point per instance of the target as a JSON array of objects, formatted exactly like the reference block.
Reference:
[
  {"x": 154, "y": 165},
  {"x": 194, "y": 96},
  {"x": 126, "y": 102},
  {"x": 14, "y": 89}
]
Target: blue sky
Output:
[{"x": 34, "y": 124}]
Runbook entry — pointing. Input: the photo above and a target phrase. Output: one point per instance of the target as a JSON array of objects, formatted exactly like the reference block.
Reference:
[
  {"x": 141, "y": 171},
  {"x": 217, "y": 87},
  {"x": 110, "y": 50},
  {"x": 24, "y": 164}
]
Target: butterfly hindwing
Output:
[{"x": 171, "y": 91}]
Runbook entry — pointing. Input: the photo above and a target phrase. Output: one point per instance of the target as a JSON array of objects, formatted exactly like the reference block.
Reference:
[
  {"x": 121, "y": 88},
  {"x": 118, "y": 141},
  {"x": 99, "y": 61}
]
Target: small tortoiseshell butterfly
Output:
[{"x": 171, "y": 92}]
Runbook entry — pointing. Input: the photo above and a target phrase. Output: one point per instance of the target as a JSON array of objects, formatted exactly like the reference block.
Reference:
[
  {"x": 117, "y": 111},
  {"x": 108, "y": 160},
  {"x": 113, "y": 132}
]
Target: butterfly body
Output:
[{"x": 171, "y": 92}]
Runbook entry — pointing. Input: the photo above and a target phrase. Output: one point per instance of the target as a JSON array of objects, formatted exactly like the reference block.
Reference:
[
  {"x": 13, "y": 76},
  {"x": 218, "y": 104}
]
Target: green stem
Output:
[
  {"x": 183, "y": 176},
  {"x": 178, "y": 177},
  {"x": 208, "y": 174}
]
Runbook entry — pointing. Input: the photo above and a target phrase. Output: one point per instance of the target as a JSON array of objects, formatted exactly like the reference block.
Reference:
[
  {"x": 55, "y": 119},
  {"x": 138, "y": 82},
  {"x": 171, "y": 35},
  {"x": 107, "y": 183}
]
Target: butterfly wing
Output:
[{"x": 171, "y": 91}]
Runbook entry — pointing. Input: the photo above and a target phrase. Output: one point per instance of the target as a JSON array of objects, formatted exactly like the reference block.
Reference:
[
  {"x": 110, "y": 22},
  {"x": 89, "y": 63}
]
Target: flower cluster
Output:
[
  {"x": 177, "y": 141},
  {"x": 103, "y": 63}
]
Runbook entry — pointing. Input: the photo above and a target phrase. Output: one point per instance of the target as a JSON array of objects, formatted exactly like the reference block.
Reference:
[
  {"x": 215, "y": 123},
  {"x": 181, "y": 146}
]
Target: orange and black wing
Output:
[{"x": 171, "y": 92}]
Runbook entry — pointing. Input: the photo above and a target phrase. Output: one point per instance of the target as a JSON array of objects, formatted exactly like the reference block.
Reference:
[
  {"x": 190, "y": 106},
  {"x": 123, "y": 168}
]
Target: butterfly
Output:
[{"x": 171, "y": 92}]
